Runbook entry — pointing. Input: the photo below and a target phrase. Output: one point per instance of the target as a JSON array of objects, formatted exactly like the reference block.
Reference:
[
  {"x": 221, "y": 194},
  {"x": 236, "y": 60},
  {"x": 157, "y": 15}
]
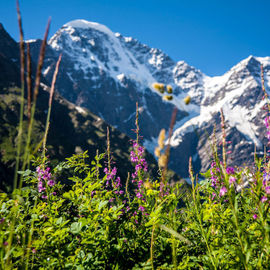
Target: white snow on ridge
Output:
[
  {"x": 30, "y": 40},
  {"x": 120, "y": 61},
  {"x": 86, "y": 24},
  {"x": 237, "y": 116}
]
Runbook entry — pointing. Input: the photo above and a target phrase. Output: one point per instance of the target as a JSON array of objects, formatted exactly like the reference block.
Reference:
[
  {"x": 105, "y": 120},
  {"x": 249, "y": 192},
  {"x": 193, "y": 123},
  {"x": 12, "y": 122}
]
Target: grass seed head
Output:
[
  {"x": 157, "y": 152},
  {"x": 161, "y": 139},
  {"x": 167, "y": 97},
  {"x": 159, "y": 87},
  {"x": 169, "y": 89},
  {"x": 187, "y": 100},
  {"x": 162, "y": 161}
]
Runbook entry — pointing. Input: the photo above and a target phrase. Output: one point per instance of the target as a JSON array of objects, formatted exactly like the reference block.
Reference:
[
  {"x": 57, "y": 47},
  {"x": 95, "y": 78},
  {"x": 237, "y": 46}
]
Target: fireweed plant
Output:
[{"x": 100, "y": 221}]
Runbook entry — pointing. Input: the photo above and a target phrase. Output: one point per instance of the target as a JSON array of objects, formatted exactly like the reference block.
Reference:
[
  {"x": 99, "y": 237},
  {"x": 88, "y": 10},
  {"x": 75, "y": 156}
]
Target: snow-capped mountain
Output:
[{"x": 108, "y": 73}]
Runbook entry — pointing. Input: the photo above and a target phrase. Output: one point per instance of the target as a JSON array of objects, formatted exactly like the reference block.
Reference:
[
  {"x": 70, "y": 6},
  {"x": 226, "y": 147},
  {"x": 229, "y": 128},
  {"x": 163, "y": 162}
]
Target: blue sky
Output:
[{"x": 210, "y": 35}]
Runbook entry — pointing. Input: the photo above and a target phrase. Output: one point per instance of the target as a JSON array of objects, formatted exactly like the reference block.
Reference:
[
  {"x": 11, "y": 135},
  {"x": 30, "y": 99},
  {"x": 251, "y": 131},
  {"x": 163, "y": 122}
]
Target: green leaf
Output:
[
  {"x": 59, "y": 221},
  {"x": 102, "y": 204},
  {"x": 174, "y": 233},
  {"x": 75, "y": 227}
]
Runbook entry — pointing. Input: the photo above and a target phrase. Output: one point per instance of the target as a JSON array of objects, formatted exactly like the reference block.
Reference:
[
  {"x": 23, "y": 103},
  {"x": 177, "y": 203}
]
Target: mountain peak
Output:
[{"x": 83, "y": 24}]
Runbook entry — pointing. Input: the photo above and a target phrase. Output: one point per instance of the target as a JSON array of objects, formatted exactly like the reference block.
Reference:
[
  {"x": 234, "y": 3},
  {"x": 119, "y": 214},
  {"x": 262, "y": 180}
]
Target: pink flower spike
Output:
[
  {"x": 263, "y": 199},
  {"x": 255, "y": 216}
]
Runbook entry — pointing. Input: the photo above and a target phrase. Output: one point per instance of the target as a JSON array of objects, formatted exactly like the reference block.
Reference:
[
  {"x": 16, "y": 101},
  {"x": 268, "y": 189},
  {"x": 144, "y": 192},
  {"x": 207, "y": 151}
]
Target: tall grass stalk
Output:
[
  {"x": 152, "y": 247},
  {"x": 19, "y": 145},
  {"x": 50, "y": 106},
  {"x": 196, "y": 197},
  {"x": 20, "y": 131},
  {"x": 30, "y": 236},
  {"x": 108, "y": 150},
  {"x": 36, "y": 90},
  {"x": 234, "y": 207},
  {"x": 223, "y": 139},
  {"x": 29, "y": 83},
  {"x": 167, "y": 150}
]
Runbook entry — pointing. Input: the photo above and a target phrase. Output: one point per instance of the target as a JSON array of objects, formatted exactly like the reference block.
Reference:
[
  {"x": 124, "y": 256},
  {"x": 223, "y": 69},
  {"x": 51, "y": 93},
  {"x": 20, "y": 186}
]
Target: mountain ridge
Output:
[
  {"x": 108, "y": 73},
  {"x": 72, "y": 129}
]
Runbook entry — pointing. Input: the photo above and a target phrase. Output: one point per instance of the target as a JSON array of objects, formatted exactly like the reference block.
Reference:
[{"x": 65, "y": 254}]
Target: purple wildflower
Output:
[
  {"x": 230, "y": 170},
  {"x": 223, "y": 191},
  {"x": 232, "y": 180},
  {"x": 141, "y": 208},
  {"x": 213, "y": 164},
  {"x": 51, "y": 183},
  {"x": 40, "y": 187},
  {"x": 263, "y": 199},
  {"x": 266, "y": 178},
  {"x": 140, "y": 183},
  {"x": 44, "y": 175},
  {"x": 255, "y": 216},
  {"x": 267, "y": 121}
]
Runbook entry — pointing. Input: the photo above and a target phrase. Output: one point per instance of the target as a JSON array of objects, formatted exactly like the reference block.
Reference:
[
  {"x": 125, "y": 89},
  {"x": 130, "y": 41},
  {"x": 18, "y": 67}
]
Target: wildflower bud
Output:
[{"x": 187, "y": 100}]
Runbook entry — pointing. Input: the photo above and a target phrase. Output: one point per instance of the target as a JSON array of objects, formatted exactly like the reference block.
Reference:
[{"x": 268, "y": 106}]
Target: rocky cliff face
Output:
[{"x": 108, "y": 73}]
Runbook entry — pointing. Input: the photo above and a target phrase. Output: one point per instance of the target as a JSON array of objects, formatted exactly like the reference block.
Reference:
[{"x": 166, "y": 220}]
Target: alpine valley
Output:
[{"x": 108, "y": 73}]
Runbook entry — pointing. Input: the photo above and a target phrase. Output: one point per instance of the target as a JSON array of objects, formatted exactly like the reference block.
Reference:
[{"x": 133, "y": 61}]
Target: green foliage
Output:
[{"x": 87, "y": 225}]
